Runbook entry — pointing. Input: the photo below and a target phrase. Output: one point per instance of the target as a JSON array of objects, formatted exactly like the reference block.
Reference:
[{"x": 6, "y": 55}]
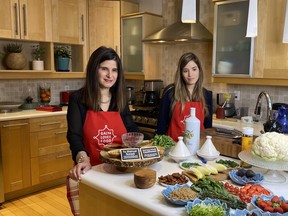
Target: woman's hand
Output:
[{"x": 80, "y": 169}]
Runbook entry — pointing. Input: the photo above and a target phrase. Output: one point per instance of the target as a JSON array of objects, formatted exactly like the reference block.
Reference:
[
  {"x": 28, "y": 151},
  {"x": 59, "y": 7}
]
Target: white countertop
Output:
[
  {"x": 33, "y": 113},
  {"x": 120, "y": 185}
]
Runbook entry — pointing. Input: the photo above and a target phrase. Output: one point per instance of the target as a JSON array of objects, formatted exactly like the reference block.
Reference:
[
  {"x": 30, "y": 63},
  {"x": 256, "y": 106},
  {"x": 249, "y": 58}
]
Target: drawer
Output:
[
  {"x": 47, "y": 142},
  {"x": 48, "y": 123}
]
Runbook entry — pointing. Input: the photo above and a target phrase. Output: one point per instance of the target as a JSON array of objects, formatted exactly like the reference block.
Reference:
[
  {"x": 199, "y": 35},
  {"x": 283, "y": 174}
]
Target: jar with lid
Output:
[{"x": 247, "y": 141}]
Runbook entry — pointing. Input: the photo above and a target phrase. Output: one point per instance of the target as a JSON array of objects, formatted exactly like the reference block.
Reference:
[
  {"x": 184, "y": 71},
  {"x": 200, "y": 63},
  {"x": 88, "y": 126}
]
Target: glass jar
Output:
[{"x": 44, "y": 94}]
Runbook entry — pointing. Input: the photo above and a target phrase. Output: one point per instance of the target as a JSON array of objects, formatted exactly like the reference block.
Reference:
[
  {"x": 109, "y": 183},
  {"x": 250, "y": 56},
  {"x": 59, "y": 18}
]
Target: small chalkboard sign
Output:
[
  {"x": 150, "y": 152},
  {"x": 130, "y": 154}
]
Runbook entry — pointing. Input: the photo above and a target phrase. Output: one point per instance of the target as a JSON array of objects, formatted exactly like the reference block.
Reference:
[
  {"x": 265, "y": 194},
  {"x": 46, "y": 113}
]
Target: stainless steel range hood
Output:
[{"x": 180, "y": 32}]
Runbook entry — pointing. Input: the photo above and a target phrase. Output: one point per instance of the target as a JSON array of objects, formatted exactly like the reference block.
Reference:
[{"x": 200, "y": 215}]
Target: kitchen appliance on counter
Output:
[
  {"x": 152, "y": 89},
  {"x": 64, "y": 97},
  {"x": 227, "y": 100}
]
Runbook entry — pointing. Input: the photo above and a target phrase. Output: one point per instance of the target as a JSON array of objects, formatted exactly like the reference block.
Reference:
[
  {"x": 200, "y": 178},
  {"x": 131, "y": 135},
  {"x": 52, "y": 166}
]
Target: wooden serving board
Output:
[
  {"x": 218, "y": 177},
  {"x": 105, "y": 158}
]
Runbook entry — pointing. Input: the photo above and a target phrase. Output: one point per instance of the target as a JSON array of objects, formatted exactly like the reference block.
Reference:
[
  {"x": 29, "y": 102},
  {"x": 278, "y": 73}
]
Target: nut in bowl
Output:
[{"x": 132, "y": 139}]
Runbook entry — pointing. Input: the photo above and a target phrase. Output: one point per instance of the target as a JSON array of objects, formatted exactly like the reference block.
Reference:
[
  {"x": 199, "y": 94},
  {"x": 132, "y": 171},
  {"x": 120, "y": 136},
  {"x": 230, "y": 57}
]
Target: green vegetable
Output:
[
  {"x": 189, "y": 164},
  {"x": 228, "y": 163},
  {"x": 207, "y": 210},
  {"x": 163, "y": 141}
]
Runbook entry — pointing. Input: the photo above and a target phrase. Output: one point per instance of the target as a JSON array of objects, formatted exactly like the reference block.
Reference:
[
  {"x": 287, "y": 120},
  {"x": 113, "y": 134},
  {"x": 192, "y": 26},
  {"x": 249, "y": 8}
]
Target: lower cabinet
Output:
[
  {"x": 34, "y": 154},
  {"x": 15, "y": 155},
  {"x": 50, "y": 153}
]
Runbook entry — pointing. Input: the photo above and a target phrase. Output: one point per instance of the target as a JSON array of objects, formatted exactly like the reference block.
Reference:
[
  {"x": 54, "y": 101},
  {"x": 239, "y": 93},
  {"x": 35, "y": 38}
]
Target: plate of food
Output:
[
  {"x": 179, "y": 194},
  {"x": 243, "y": 176},
  {"x": 173, "y": 179},
  {"x": 206, "y": 206},
  {"x": 228, "y": 163},
  {"x": 188, "y": 164},
  {"x": 274, "y": 205}
]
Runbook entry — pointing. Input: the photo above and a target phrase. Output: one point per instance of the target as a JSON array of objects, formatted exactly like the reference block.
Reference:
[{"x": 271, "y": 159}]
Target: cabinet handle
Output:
[
  {"x": 16, "y": 19},
  {"x": 14, "y": 125},
  {"x": 50, "y": 123},
  {"x": 61, "y": 132},
  {"x": 82, "y": 23},
  {"x": 25, "y": 19},
  {"x": 63, "y": 155}
]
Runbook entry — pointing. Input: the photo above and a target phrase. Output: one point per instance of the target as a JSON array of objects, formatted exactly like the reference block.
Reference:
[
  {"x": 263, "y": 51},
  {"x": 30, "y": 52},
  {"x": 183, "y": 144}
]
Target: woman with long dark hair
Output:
[{"x": 187, "y": 91}]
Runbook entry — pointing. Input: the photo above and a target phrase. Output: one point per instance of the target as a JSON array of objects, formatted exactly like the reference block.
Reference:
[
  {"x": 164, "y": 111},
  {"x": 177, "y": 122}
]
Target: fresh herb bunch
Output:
[
  {"x": 37, "y": 52},
  {"x": 13, "y": 48},
  {"x": 228, "y": 163},
  {"x": 163, "y": 141},
  {"x": 62, "y": 51}
]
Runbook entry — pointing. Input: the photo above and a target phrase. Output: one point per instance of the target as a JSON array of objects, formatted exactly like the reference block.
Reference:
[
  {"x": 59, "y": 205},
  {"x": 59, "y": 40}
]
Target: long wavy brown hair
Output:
[
  {"x": 91, "y": 88},
  {"x": 181, "y": 93}
]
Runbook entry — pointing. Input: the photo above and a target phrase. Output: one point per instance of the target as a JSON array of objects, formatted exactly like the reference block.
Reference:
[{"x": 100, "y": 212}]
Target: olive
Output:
[
  {"x": 241, "y": 172},
  {"x": 250, "y": 174}
]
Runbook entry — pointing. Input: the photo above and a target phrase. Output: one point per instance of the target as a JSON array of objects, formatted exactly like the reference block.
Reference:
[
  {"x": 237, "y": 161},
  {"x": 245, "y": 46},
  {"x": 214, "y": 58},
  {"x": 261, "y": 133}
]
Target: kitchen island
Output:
[{"x": 107, "y": 191}]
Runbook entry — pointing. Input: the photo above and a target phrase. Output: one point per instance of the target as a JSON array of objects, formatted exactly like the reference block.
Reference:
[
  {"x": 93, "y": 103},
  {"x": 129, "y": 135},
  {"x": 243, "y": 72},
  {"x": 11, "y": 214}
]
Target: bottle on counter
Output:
[
  {"x": 192, "y": 132},
  {"x": 247, "y": 141}
]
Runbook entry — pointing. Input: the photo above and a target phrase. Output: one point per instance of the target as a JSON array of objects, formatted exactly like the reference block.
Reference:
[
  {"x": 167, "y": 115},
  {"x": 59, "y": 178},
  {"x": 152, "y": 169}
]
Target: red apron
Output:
[
  {"x": 177, "y": 124},
  {"x": 100, "y": 129}
]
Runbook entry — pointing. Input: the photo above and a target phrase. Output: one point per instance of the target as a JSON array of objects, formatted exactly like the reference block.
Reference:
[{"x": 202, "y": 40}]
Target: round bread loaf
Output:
[{"x": 144, "y": 178}]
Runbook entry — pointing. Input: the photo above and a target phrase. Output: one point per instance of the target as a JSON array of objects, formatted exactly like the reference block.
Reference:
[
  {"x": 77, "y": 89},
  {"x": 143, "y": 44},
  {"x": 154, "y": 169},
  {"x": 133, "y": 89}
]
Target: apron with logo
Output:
[
  {"x": 100, "y": 129},
  {"x": 177, "y": 123}
]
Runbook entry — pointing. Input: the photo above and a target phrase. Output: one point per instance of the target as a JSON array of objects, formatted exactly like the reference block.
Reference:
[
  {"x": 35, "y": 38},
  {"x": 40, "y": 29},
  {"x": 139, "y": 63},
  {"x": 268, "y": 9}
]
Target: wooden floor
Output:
[{"x": 52, "y": 202}]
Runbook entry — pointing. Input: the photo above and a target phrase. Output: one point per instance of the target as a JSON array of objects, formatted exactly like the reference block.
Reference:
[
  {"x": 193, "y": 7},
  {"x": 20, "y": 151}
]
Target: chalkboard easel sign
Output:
[
  {"x": 130, "y": 154},
  {"x": 150, "y": 152}
]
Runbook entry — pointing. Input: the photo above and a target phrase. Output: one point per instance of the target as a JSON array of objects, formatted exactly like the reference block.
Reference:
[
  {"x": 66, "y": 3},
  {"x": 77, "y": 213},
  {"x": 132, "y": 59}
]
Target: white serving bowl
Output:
[
  {"x": 179, "y": 158},
  {"x": 208, "y": 157}
]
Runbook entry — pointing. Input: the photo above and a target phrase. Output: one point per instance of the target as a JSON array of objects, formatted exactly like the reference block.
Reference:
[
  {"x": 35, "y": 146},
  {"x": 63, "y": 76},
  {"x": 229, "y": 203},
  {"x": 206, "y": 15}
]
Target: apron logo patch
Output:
[{"x": 105, "y": 136}]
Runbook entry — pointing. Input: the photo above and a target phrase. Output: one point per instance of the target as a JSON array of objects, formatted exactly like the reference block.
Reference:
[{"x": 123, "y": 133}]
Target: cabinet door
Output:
[
  {"x": 68, "y": 17},
  {"x": 26, "y": 19},
  {"x": 104, "y": 24},
  {"x": 15, "y": 150},
  {"x": 132, "y": 48},
  {"x": 232, "y": 51},
  {"x": 9, "y": 21}
]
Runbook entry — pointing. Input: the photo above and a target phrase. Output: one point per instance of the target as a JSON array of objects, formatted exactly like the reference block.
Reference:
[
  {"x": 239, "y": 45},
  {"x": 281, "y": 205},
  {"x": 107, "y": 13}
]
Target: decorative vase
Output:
[
  {"x": 15, "y": 61},
  {"x": 38, "y": 65},
  {"x": 62, "y": 64}
]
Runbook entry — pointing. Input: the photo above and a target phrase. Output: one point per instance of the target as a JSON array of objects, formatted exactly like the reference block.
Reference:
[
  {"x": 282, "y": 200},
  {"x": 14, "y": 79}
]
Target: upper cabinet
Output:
[
  {"x": 232, "y": 51},
  {"x": 69, "y": 21},
  {"x": 269, "y": 54},
  {"x": 104, "y": 22},
  {"x": 140, "y": 61},
  {"x": 26, "y": 19}
]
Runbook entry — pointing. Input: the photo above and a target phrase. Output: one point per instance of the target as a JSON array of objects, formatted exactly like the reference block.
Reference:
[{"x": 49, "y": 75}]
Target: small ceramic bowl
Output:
[{"x": 179, "y": 158}]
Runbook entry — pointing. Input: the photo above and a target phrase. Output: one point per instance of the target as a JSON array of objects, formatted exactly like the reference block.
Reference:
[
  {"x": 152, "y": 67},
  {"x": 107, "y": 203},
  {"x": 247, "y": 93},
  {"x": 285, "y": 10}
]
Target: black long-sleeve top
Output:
[
  {"x": 165, "y": 114},
  {"x": 76, "y": 115}
]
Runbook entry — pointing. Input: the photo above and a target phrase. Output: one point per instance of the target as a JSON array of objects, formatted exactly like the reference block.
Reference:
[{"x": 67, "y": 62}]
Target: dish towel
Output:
[{"x": 49, "y": 108}]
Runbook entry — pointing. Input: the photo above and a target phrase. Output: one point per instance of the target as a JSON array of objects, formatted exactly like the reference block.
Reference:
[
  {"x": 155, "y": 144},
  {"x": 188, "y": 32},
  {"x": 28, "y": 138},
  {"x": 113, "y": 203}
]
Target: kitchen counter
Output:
[
  {"x": 238, "y": 125},
  {"x": 33, "y": 113},
  {"x": 107, "y": 191}
]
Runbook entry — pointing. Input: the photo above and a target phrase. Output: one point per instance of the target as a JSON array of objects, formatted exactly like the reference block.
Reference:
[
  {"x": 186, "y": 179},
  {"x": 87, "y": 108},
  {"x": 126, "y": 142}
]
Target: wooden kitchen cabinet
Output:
[
  {"x": 104, "y": 29},
  {"x": 270, "y": 65},
  {"x": 50, "y": 154},
  {"x": 104, "y": 24},
  {"x": 69, "y": 21},
  {"x": 26, "y": 19},
  {"x": 140, "y": 60},
  {"x": 15, "y": 153}
]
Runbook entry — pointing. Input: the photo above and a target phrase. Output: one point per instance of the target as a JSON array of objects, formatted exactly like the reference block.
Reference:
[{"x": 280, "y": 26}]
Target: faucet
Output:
[{"x": 269, "y": 104}]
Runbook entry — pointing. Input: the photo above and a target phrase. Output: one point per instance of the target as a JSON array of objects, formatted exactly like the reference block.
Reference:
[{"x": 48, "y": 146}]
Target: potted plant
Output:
[
  {"x": 62, "y": 56},
  {"x": 37, "y": 53},
  {"x": 14, "y": 58}
]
